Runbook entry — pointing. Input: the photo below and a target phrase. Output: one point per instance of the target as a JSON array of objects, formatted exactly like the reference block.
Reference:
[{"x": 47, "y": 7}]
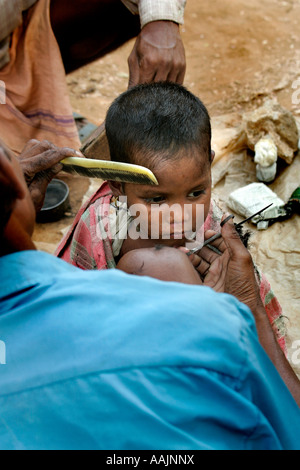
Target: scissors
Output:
[{"x": 218, "y": 235}]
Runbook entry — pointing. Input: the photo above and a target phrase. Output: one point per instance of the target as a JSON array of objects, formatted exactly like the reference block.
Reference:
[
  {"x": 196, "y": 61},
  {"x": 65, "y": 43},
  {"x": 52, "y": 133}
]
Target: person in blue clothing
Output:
[{"x": 151, "y": 364}]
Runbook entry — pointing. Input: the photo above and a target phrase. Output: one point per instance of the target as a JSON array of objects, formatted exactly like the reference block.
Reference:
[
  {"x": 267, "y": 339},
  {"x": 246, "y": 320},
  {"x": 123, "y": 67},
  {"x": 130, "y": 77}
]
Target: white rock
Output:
[
  {"x": 266, "y": 174},
  {"x": 265, "y": 152}
]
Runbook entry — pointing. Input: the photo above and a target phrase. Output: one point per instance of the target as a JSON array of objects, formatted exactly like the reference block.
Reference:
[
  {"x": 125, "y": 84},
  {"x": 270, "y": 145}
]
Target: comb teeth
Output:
[{"x": 108, "y": 170}]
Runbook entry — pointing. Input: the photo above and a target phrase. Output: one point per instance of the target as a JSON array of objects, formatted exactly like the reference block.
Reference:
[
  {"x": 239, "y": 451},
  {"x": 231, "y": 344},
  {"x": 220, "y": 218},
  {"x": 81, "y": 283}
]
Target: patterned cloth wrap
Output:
[{"x": 97, "y": 233}]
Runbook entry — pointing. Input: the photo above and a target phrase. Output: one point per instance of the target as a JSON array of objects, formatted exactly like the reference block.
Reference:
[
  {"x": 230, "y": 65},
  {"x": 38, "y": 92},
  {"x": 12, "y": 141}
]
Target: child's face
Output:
[{"x": 178, "y": 206}]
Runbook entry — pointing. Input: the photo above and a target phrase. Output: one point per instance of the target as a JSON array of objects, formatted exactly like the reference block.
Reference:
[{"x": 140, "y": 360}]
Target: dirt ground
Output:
[{"x": 238, "y": 53}]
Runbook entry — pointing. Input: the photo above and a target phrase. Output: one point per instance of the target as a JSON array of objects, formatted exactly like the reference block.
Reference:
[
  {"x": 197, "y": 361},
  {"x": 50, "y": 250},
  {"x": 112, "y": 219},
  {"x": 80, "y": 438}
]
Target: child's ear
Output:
[{"x": 117, "y": 188}]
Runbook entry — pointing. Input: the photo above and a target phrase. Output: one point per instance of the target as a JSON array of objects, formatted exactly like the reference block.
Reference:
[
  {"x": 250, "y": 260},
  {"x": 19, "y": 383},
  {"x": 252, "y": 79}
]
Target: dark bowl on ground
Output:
[{"x": 56, "y": 202}]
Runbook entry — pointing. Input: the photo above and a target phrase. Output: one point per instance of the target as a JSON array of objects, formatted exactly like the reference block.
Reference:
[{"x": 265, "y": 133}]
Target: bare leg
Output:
[{"x": 88, "y": 29}]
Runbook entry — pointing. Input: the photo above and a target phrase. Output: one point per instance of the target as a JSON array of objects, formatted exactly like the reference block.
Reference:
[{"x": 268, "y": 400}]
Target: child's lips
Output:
[
  {"x": 177, "y": 235},
  {"x": 181, "y": 233},
  {"x": 177, "y": 231}
]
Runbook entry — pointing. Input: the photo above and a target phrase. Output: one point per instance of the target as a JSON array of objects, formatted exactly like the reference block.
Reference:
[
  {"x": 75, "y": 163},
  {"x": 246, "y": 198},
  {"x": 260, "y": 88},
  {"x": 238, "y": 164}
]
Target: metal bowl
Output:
[{"x": 56, "y": 202}]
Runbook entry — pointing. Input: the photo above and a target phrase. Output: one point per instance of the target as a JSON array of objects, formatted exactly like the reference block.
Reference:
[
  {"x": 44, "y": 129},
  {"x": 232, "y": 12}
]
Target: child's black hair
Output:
[{"x": 157, "y": 119}]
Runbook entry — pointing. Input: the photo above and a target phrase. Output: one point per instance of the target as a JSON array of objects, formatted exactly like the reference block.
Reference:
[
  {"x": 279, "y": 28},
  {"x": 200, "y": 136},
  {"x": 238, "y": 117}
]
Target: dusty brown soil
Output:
[{"x": 238, "y": 53}]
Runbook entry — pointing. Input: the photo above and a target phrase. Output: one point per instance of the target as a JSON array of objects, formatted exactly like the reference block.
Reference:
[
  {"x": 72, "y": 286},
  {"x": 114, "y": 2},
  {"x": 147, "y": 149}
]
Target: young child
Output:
[{"x": 165, "y": 128}]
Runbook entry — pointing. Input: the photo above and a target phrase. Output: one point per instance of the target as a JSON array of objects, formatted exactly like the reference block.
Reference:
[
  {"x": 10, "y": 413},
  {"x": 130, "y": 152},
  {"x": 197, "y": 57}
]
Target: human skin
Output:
[
  {"x": 34, "y": 168},
  {"x": 161, "y": 263},
  {"x": 88, "y": 30},
  {"x": 40, "y": 162},
  {"x": 20, "y": 212},
  {"x": 184, "y": 185},
  {"x": 158, "y": 55},
  {"x": 232, "y": 272}
]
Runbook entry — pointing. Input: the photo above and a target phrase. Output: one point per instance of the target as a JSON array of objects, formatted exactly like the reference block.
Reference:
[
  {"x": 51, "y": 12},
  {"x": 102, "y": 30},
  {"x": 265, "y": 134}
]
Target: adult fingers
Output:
[
  {"x": 134, "y": 69},
  {"x": 199, "y": 263},
  {"x": 181, "y": 75},
  {"x": 35, "y": 147},
  {"x": 233, "y": 243},
  {"x": 214, "y": 249},
  {"x": 150, "y": 71},
  {"x": 214, "y": 242},
  {"x": 43, "y": 161},
  {"x": 38, "y": 190},
  {"x": 39, "y": 185},
  {"x": 178, "y": 68}
]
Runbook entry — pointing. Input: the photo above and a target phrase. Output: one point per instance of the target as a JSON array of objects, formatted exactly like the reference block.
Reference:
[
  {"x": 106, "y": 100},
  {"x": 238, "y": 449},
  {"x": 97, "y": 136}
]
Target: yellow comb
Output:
[{"x": 108, "y": 170}]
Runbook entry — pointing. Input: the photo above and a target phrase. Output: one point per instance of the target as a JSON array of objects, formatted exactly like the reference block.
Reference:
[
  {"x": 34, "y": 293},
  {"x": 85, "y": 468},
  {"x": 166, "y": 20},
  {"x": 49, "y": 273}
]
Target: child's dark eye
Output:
[
  {"x": 197, "y": 193},
  {"x": 155, "y": 200}
]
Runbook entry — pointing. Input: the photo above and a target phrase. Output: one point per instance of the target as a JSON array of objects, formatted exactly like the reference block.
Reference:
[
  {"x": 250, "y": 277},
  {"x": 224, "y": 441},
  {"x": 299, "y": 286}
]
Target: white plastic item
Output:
[
  {"x": 266, "y": 155},
  {"x": 262, "y": 225},
  {"x": 266, "y": 174},
  {"x": 250, "y": 199}
]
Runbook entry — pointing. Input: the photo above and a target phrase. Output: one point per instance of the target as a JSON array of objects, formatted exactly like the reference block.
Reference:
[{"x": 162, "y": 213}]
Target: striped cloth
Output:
[
  {"x": 154, "y": 10},
  {"x": 93, "y": 242},
  {"x": 37, "y": 104}
]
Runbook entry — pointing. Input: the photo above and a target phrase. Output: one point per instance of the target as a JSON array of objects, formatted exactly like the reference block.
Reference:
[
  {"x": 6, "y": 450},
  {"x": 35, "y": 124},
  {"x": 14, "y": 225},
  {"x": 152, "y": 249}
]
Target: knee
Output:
[{"x": 164, "y": 263}]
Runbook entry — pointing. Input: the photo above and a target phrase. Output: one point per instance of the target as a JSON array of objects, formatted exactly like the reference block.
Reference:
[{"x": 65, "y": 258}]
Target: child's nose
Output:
[{"x": 181, "y": 214}]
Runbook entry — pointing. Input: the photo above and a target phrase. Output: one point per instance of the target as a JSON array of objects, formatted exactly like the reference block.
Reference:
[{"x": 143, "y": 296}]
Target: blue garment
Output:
[{"x": 104, "y": 360}]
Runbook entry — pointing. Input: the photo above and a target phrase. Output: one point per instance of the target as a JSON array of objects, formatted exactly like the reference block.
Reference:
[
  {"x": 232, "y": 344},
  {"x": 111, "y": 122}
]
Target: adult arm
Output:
[
  {"x": 158, "y": 53},
  {"x": 233, "y": 273}
]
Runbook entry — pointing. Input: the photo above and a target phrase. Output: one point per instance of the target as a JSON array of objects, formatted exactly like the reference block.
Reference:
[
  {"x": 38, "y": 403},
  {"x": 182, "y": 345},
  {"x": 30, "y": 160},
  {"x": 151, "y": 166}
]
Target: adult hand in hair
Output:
[
  {"x": 158, "y": 54},
  {"x": 40, "y": 163}
]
